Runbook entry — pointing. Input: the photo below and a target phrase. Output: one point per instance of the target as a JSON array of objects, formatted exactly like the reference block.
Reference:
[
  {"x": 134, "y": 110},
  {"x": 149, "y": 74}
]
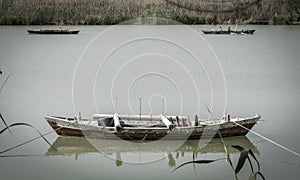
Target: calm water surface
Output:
[{"x": 261, "y": 74}]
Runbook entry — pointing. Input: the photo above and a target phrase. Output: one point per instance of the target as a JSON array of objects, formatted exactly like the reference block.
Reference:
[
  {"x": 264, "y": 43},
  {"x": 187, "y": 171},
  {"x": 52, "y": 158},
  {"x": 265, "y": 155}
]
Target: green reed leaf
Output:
[
  {"x": 6, "y": 126},
  {"x": 227, "y": 155},
  {"x": 261, "y": 175},
  {"x": 195, "y": 162},
  {"x": 26, "y": 124},
  {"x": 250, "y": 164},
  {"x": 241, "y": 162},
  {"x": 4, "y": 82},
  {"x": 252, "y": 154},
  {"x": 240, "y": 148}
]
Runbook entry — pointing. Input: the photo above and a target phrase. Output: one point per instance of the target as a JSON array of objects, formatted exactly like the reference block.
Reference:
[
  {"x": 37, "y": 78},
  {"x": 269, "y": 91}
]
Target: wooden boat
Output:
[
  {"x": 53, "y": 31},
  {"x": 229, "y": 31},
  {"x": 150, "y": 127},
  {"x": 216, "y": 32}
]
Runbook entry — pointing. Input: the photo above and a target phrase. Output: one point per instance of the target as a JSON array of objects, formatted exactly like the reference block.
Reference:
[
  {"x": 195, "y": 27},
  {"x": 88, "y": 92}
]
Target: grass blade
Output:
[
  {"x": 241, "y": 162},
  {"x": 227, "y": 154},
  {"x": 240, "y": 148},
  {"x": 252, "y": 154},
  {"x": 250, "y": 164},
  {"x": 195, "y": 162},
  {"x": 31, "y": 140},
  {"x": 25, "y": 124},
  {"x": 4, "y": 82},
  {"x": 261, "y": 175},
  {"x": 6, "y": 126},
  {"x": 0, "y": 91}
]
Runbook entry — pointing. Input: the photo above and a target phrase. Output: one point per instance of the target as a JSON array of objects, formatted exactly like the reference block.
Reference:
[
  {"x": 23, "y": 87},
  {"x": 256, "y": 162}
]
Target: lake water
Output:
[{"x": 66, "y": 74}]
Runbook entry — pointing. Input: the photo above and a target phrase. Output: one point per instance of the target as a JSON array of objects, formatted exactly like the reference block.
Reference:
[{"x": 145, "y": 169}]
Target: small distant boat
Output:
[
  {"x": 150, "y": 127},
  {"x": 53, "y": 31},
  {"x": 229, "y": 31}
]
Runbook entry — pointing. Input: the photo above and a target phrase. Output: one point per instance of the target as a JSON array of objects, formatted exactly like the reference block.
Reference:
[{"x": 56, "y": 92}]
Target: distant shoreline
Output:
[{"x": 111, "y": 12}]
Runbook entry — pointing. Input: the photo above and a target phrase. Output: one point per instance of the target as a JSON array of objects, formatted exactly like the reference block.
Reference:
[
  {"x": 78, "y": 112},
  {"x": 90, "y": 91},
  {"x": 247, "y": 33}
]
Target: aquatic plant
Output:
[
  {"x": 4, "y": 122},
  {"x": 7, "y": 127},
  {"x": 24, "y": 124},
  {"x": 4, "y": 81},
  {"x": 245, "y": 154},
  {"x": 1, "y": 117}
]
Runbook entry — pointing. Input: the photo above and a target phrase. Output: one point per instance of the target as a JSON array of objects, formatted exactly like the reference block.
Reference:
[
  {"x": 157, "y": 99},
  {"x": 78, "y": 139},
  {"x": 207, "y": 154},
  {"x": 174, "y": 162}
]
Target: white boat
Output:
[{"x": 150, "y": 127}]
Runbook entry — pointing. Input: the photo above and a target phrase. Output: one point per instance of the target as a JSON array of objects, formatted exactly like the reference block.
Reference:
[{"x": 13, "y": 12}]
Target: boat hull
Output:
[
  {"x": 53, "y": 31},
  {"x": 249, "y": 31},
  {"x": 215, "y": 32},
  {"x": 71, "y": 127}
]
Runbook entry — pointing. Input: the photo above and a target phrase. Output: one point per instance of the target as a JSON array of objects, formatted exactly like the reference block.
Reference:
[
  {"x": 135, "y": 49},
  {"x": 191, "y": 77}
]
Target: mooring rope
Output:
[{"x": 271, "y": 141}]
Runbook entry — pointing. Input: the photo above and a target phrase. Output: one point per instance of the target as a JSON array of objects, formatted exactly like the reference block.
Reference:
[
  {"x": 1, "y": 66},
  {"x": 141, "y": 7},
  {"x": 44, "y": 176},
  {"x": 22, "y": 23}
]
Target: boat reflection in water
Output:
[{"x": 121, "y": 151}]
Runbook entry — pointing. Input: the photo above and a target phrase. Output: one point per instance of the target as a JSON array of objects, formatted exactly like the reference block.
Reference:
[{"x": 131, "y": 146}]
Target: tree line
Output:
[{"x": 100, "y": 12}]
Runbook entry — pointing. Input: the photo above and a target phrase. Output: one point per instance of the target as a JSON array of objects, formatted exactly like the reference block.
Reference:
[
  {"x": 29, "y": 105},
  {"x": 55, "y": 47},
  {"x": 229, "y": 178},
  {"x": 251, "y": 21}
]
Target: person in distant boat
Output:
[
  {"x": 229, "y": 30},
  {"x": 196, "y": 120},
  {"x": 226, "y": 117}
]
